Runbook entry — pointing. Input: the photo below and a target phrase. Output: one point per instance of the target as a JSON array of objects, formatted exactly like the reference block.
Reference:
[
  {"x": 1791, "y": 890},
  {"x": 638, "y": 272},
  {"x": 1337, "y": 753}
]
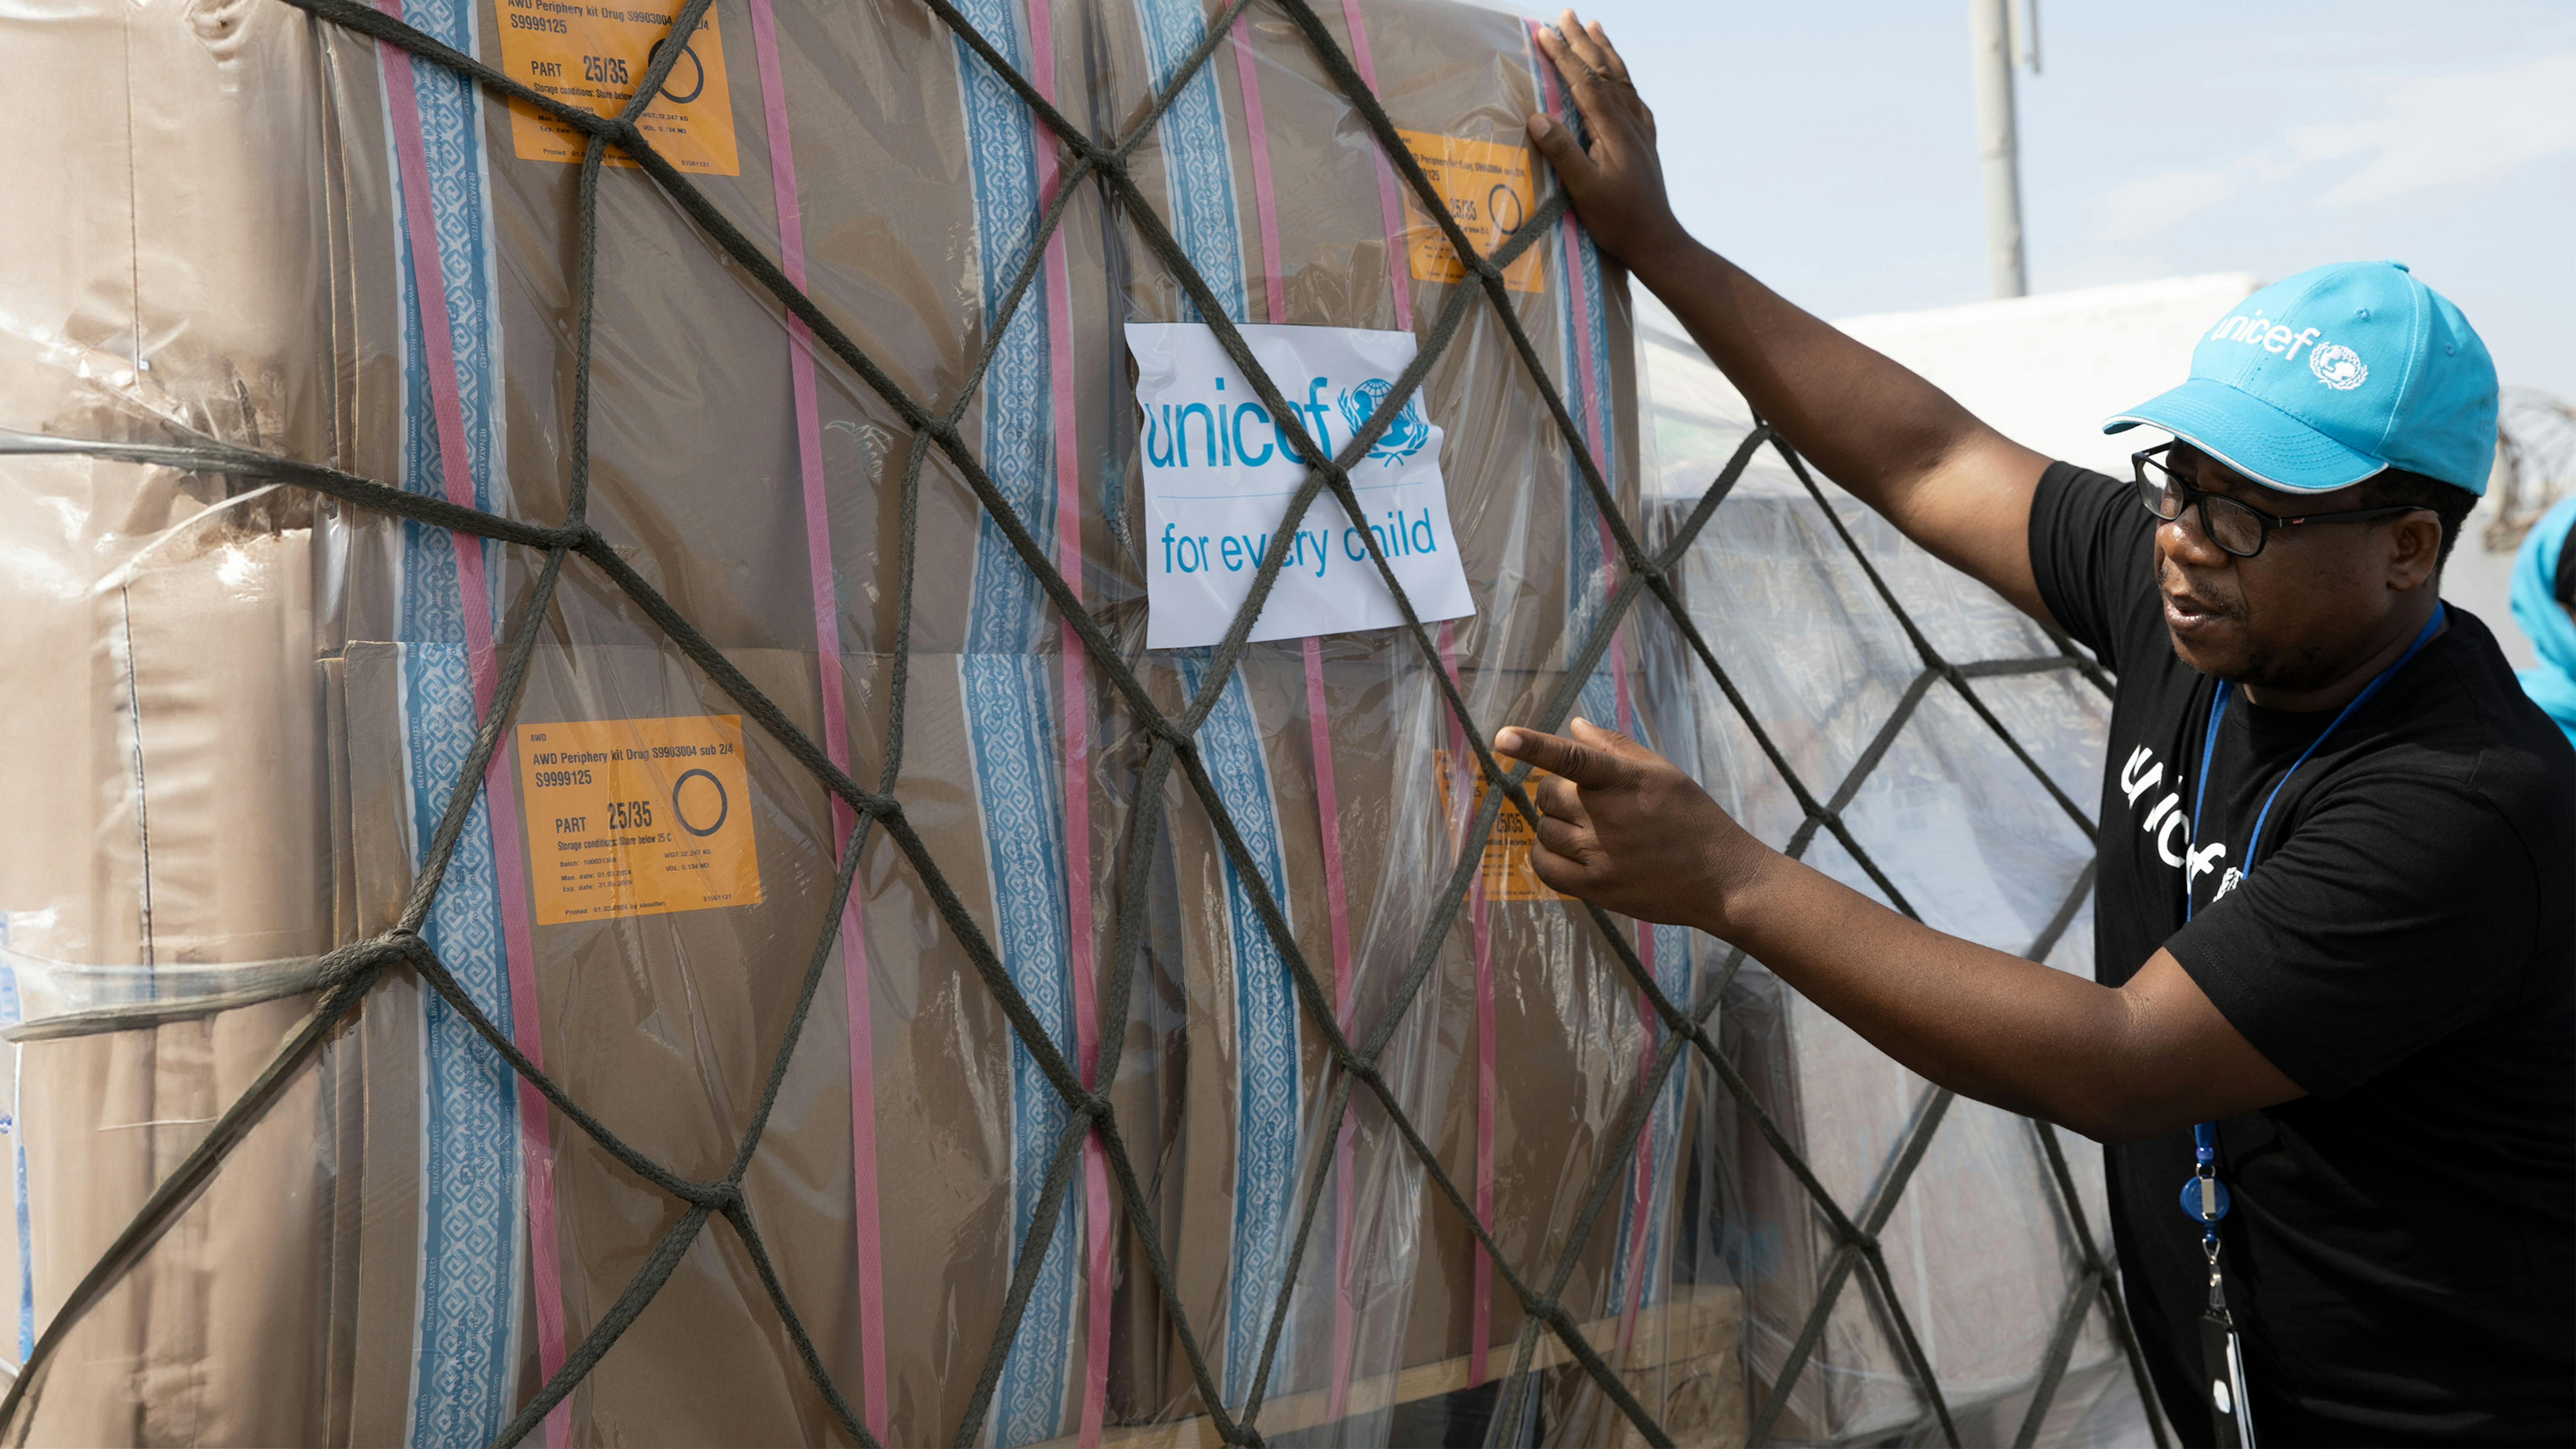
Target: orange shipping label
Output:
[
  {"x": 637, "y": 817},
  {"x": 1488, "y": 189},
  {"x": 591, "y": 56},
  {"x": 1506, "y": 869}
]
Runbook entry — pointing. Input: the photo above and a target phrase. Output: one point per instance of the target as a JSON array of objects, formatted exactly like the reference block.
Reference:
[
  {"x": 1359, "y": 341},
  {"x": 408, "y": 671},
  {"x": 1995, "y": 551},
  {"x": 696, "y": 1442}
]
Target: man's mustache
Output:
[{"x": 2171, "y": 583}]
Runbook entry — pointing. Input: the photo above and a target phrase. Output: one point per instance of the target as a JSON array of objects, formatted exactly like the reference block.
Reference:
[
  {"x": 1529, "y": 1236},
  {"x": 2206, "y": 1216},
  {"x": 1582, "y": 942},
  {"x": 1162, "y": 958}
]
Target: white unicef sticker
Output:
[{"x": 1220, "y": 472}]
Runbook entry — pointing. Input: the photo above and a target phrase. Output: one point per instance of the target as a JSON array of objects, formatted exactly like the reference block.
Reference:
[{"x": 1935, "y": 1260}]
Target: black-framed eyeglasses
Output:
[{"x": 2238, "y": 528}]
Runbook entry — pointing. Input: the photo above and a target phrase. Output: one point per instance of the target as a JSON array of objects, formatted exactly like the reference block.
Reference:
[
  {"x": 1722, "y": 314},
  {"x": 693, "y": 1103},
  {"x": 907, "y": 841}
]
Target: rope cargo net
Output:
[{"x": 1091, "y": 1153}]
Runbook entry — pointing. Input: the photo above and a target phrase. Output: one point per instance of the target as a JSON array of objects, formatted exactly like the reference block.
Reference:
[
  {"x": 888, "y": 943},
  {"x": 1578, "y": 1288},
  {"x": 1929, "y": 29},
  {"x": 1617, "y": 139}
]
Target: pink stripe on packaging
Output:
[
  {"x": 1389, "y": 199},
  {"x": 1578, "y": 299},
  {"x": 1274, "y": 281},
  {"x": 1399, "y": 285},
  {"x": 867, "y": 1228},
  {"x": 499, "y": 780},
  {"x": 1077, "y": 734}
]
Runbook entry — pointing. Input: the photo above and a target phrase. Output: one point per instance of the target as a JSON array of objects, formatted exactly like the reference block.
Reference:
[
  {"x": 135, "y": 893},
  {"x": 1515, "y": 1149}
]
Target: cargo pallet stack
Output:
[{"x": 579, "y": 615}]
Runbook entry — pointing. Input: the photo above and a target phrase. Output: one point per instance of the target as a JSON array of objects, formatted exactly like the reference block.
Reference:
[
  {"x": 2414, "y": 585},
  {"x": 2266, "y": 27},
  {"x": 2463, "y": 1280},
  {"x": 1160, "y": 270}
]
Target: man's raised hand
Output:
[
  {"x": 1626, "y": 830},
  {"x": 1618, "y": 187}
]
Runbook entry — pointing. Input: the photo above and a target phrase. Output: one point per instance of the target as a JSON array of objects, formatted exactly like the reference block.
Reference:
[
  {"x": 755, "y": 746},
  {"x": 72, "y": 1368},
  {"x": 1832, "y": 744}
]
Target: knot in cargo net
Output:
[{"x": 1091, "y": 1139}]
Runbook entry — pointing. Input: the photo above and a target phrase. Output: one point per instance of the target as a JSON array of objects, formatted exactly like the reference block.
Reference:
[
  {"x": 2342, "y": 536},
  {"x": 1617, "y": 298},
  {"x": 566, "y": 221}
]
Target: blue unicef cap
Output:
[{"x": 2338, "y": 373}]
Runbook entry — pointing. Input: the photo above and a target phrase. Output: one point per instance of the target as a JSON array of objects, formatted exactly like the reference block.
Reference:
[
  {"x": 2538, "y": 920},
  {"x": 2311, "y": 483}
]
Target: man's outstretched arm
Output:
[
  {"x": 1899, "y": 444},
  {"x": 1628, "y": 831}
]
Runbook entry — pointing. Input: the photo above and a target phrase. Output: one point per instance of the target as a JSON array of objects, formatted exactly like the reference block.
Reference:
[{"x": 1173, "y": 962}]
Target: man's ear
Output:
[{"x": 2414, "y": 548}]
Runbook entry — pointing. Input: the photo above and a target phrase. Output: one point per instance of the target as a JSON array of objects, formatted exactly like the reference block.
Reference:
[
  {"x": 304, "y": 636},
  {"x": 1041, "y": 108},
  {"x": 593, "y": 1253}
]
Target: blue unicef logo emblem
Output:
[{"x": 1404, "y": 436}]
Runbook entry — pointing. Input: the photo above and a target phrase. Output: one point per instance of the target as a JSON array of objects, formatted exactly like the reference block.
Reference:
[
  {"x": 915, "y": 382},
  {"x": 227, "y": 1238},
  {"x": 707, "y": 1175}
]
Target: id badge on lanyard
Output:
[
  {"x": 2222, "y": 1363},
  {"x": 2222, "y": 1353},
  {"x": 2204, "y": 1197}
]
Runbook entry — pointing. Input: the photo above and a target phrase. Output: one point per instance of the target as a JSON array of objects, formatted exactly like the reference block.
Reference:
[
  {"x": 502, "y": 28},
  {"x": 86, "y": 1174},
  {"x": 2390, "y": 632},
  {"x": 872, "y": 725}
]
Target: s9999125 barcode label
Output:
[
  {"x": 637, "y": 817},
  {"x": 592, "y": 55}
]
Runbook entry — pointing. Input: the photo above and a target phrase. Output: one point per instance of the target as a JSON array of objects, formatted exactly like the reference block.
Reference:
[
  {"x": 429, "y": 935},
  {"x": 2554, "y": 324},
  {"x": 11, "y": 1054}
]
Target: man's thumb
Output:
[{"x": 1556, "y": 142}]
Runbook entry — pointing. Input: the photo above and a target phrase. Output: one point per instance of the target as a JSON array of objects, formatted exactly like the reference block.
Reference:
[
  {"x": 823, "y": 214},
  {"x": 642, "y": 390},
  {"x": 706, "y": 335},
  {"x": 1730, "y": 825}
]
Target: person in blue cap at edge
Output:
[
  {"x": 2335, "y": 912},
  {"x": 2544, "y": 593}
]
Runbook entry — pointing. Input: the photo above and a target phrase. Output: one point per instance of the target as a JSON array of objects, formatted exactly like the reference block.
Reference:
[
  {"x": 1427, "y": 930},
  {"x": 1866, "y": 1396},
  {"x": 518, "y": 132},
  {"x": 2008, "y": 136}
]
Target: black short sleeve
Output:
[
  {"x": 2401, "y": 909},
  {"x": 2092, "y": 552}
]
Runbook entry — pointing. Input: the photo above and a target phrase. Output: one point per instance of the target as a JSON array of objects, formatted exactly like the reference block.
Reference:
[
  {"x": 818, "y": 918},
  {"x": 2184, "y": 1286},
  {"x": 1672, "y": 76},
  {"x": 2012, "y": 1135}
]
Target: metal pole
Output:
[{"x": 1990, "y": 48}]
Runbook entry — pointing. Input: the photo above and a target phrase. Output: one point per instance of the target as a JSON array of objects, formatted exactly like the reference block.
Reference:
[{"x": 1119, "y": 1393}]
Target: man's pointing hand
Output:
[{"x": 1624, "y": 829}]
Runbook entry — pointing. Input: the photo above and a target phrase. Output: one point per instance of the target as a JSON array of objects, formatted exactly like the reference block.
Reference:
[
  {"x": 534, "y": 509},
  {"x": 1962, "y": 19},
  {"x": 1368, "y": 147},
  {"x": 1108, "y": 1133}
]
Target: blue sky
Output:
[{"x": 1829, "y": 146}]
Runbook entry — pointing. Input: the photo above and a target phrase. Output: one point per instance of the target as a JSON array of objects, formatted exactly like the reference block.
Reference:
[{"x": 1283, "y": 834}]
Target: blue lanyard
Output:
[{"x": 2204, "y": 1197}]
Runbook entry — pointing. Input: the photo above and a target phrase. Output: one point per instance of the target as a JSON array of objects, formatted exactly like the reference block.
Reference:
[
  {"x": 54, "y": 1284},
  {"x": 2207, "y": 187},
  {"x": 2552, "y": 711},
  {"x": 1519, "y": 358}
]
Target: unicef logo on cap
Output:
[
  {"x": 1404, "y": 436},
  {"x": 2338, "y": 367}
]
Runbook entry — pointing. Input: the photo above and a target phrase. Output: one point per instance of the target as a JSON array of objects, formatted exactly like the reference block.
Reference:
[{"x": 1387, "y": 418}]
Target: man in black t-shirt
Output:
[{"x": 2336, "y": 913}]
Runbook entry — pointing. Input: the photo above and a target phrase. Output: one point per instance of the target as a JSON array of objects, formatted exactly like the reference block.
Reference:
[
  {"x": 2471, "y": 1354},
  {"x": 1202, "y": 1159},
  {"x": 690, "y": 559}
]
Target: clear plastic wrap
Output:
[
  {"x": 917, "y": 187},
  {"x": 247, "y": 705},
  {"x": 1980, "y": 1249}
]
